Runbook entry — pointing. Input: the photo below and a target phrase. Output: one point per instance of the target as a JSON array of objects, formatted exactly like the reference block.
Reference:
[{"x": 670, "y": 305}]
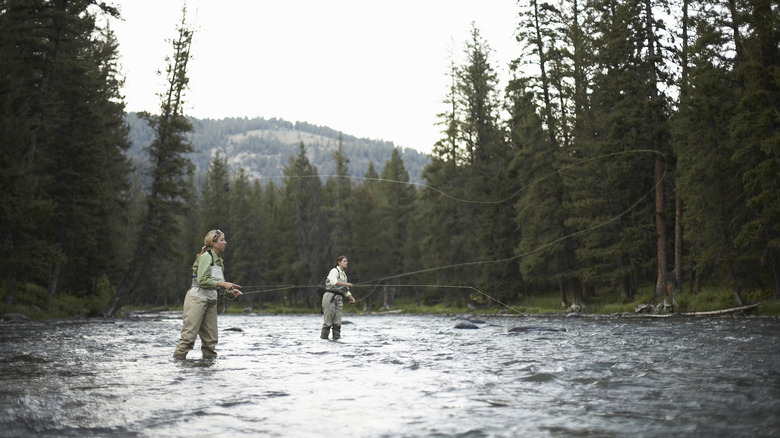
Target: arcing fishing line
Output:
[
  {"x": 485, "y": 262},
  {"x": 262, "y": 289},
  {"x": 470, "y": 201},
  {"x": 446, "y": 286},
  {"x": 539, "y": 248}
]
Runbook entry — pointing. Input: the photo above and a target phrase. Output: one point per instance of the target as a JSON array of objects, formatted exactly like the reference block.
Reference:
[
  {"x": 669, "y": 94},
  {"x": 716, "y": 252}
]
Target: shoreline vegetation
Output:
[{"x": 708, "y": 302}]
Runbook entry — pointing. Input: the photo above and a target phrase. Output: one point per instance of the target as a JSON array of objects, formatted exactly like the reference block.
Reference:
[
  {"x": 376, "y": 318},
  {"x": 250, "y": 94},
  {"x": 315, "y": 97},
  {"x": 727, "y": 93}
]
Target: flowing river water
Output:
[{"x": 394, "y": 376}]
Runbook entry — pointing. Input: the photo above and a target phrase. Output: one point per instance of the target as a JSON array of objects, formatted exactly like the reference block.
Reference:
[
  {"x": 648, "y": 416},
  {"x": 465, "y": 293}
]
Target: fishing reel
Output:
[{"x": 223, "y": 293}]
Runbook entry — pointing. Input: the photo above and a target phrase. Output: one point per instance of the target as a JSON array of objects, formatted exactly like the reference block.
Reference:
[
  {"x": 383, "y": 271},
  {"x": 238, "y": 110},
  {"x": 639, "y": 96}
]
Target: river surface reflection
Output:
[{"x": 394, "y": 376}]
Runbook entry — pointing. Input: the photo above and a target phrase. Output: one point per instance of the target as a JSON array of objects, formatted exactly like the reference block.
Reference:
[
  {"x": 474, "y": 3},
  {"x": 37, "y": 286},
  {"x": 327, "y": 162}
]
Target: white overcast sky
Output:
[{"x": 374, "y": 69}]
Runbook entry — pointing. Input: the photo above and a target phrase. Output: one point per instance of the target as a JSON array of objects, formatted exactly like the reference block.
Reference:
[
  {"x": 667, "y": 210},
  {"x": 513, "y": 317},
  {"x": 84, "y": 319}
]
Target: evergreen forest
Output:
[{"x": 634, "y": 155}]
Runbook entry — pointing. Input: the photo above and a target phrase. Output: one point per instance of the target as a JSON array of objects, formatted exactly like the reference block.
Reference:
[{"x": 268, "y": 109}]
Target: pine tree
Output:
[
  {"x": 557, "y": 48},
  {"x": 756, "y": 130},
  {"x": 541, "y": 246},
  {"x": 608, "y": 181},
  {"x": 446, "y": 231},
  {"x": 492, "y": 185},
  {"x": 244, "y": 237},
  {"x": 336, "y": 192},
  {"x": 167, "y": 198},
  {"x": 276, "y": 240},
  {"x": 306, "y": 221},
  {"x": 709, "y": 181},
  {"x": 216, "y": 189},
  {"x": 62, "y": 139},
  {"x": 396, "y": 203},
  {"x": 366, "y": 264}
]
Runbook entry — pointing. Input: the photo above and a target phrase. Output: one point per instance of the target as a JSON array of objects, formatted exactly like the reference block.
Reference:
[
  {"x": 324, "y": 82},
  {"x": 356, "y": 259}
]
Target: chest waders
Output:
[
  {"x": 199, "y": 316},
  {"x": 216, "y": 273}
]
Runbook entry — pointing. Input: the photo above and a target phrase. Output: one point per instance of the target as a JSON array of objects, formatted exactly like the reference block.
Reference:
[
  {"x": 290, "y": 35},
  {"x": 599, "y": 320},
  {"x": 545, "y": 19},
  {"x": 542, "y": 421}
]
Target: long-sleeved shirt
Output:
[
  {"x": 208, "y": 277},
  {"x": 337, "y": 274}
]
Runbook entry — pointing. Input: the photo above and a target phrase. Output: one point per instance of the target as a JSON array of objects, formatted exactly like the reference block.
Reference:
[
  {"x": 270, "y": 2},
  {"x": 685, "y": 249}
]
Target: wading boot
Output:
[
  {"x": 336, "y": 331},
  {"x": 325, "y": 332}
]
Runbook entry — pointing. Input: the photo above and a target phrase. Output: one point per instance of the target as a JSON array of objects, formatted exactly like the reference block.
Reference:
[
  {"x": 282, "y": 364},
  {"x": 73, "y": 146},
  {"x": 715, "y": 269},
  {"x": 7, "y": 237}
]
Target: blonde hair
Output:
[{"x": 210, "y": 239}]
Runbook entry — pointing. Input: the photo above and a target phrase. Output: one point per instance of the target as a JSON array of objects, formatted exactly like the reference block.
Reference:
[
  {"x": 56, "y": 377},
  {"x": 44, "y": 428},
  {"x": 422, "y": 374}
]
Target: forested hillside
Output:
[
  {"x": 634, "y": 155},
  {"x": 262, "y": 147}
]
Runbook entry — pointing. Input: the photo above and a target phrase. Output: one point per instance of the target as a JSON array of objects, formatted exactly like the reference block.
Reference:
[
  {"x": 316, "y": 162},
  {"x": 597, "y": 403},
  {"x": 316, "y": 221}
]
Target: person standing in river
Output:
[
  {"x": 336, "y": 289},
  {"x": 199, "y": 315}
]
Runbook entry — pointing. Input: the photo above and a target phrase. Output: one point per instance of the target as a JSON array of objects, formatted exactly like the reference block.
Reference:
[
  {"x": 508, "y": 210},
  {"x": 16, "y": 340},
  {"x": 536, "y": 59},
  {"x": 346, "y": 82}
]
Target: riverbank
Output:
[{"x": 603, "y": 302}]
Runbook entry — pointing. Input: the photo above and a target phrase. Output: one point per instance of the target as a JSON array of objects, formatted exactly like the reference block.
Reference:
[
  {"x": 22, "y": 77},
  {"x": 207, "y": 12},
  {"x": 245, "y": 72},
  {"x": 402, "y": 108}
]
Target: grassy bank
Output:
[
  {"x": 603, "y": 302},
  {"x": 32, "y": 302}
]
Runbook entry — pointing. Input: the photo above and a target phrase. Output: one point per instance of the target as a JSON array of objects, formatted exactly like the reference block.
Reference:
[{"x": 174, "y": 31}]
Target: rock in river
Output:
[
  {"x": 465, "y": 324},
  {"x": 535, "y": 328}
]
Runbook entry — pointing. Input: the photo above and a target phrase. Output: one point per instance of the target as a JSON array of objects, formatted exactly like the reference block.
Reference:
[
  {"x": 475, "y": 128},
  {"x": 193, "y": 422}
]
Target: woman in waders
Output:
[
  {"x": 336, "y": 289},
  {"x": 199, "y": 316}
]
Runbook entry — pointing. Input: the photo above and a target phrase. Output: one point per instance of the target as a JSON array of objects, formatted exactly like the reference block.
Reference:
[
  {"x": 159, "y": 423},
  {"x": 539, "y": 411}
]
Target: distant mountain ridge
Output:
[{"x": 262, "y": 147}]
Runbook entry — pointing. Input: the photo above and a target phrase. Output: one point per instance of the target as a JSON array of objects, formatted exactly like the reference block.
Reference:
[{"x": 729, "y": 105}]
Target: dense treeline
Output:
[
  {"x": 63, "y": 164},
  {"x": 636, "y": 145}
]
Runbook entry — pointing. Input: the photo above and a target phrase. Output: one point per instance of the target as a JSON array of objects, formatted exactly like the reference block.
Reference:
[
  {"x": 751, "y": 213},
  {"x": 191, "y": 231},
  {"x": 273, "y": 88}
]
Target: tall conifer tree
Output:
[
  {"x": 167, "y": 198},
  {"x": 396, "y": 203},
  {"x": 309, "y": 261}
]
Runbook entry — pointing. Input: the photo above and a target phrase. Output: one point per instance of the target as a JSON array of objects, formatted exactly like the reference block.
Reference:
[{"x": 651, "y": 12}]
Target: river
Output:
[{"x": 394, "y": 376}]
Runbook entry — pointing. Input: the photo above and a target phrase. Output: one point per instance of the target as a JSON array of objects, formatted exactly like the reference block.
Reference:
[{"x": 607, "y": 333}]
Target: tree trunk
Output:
[
  {"x": 577, "y": 301},
  {"x": 626, "y": 294},
  {"x": 678, "y": 204},
  {"x": 734, "y": 285},
  {"x": 387, "y": 300},
  {"x": 55, "y": 279},
  {"x": 658, "y": 171},
  {"x": 678, "y": 244},
  {"x": 564, "y": 301},
  {"x": 134, "y": 273}
]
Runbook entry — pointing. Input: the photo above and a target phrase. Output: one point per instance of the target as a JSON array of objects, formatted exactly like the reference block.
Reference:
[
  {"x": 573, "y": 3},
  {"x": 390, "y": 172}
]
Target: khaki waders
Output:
[
  {"x": 199, "y": 318},
  {"x": 332, "y": 309}
]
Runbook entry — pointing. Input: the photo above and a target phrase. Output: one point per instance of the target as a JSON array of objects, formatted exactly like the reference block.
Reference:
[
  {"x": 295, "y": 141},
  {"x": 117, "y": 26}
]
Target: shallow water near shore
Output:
[{"x": 394, "y": 376}]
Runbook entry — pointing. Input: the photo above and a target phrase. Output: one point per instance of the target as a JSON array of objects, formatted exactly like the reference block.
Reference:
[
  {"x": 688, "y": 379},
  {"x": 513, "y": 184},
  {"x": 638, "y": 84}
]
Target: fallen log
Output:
[
  {"x": 731, "y": 311},
  {"x": 650, "y": 310}
]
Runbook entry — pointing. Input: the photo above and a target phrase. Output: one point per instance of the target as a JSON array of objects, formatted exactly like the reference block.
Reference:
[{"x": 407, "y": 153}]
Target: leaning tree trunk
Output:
[{"x": 134, "y": 273}]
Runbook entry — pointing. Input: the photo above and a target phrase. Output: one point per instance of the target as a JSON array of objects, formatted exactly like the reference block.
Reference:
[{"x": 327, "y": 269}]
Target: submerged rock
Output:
[
  {"x": 465, "y": 324},
  {"x": 535, "y": 328},
  {"x": 15, "y": 317},
  {"x": 234, "y": 329}
]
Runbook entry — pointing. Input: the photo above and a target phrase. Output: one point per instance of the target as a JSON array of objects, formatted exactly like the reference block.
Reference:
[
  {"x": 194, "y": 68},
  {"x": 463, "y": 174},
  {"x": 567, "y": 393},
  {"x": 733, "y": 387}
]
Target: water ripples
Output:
[{"x": 394, "y": 375}]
